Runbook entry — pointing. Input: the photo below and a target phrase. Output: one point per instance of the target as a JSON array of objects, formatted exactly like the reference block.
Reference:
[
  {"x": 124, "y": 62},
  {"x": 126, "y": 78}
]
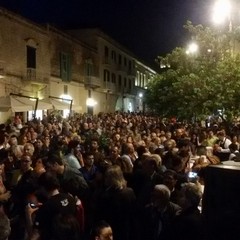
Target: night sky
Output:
[{"x": 148, "y": 28}]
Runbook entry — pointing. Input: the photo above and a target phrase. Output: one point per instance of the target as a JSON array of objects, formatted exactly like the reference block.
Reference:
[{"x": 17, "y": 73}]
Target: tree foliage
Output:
[{"x": 200, "y": 83}]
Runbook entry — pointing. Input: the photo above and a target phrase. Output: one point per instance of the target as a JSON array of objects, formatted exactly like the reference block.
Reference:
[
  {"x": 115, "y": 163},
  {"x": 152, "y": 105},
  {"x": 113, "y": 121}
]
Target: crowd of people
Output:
[{"x": 114, "y": 176}]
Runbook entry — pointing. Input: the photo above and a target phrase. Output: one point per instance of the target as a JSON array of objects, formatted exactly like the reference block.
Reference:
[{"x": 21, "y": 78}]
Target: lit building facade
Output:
[{"x": 86, "y": 66}]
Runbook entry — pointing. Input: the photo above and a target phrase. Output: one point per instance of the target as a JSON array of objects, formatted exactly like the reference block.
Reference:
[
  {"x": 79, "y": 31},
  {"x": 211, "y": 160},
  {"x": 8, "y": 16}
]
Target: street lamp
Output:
[
  {"x": 140, "y": 95},
  {"x": 192, "y": 48},
  {"x": 90, "y": 102},
  {"x": 222, "y": 12}
]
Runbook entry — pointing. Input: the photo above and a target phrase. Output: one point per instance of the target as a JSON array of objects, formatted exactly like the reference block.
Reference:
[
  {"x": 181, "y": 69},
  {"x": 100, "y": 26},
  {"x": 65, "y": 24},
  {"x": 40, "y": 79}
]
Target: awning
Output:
[
  {"x": 59, "y": 104},
  {"x": 22, "y": 104},
  {"x": 16, "y": 105},
  {"x": 42, "y": 104}
]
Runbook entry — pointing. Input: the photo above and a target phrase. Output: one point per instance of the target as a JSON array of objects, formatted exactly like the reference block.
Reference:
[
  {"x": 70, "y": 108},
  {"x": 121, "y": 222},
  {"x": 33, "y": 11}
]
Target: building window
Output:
[
  {"x": 120, "y": 59},
  {"x": 129, "y": 84},
  {"x": 88, "y": 67},
  {"x": 119, "y": 80},
  {"x": 125, "y": 61},
  {"x": 125, "y": 82},
  {"x": 137, "y": 79},
  {"x": 113, "y": 78},
  {"x": 65, "y": 67},
  {"x": 114, "y": 57},
  {"x": 106, "y": 51},
  {"x": 106, "y": 77},
  {"x": 31, "y": 57},
  {"x": 129, "y": 65}
]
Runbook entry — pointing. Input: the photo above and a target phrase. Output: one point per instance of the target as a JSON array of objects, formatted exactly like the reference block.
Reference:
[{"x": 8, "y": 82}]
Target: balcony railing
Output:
[
  {"x": 106, "y": 60},
  {"x": 34, "y": 77},
  {"x": 109, "y": 86},
  {"x": 92, "y": 81},
  {"x": 31, "y": 74}
]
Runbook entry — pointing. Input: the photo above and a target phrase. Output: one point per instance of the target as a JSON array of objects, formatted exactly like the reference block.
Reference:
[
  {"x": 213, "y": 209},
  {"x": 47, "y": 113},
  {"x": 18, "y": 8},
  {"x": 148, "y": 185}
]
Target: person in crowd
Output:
[
  {"x": 115, "y": 155},
  {"x": 211, "y": 138},
  {"x": 4, "y": 193},
  {"x": 159, "y": 214},
  {"x": 4, "y": 140},
  {"x": 221, "y": 148},
  {"x": 89, "y": 171},
  {"x": 170, "y": 179},
  {"x": 189, "y": 222},
  {"x": 145, "y": 181},
  {"x": 116, "y": 204},
  {"x": 184, "y": 153},
  {"x": 40, "y": 150},
  {"x": 5, "y": 227},
  {"x": 234, "y": 155},
  {"x": 98, "y": 156},
  {"x": 28, "y": 148},
  {"x": 74, "y": 157},
  {"x": 25, "y": 167},
  {"x": 101, "y": 231},
  {"x": 58, "y": 206},
  {"x": 204, "y": 159},
  {"x": 66, "y": 174}
]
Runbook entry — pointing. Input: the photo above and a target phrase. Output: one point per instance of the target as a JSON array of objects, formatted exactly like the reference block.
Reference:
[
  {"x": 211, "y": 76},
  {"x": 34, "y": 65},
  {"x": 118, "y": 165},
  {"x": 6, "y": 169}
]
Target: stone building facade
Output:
[{"x": 41, "y": 61}]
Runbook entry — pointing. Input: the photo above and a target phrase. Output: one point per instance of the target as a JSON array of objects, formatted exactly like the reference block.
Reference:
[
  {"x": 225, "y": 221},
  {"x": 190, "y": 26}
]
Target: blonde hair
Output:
[{"x": 114, "y": 178}]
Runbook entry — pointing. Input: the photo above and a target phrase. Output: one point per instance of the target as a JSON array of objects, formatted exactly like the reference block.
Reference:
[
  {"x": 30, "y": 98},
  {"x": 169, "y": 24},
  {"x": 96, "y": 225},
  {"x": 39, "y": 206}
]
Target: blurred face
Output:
[
  {"x": 24, "y": 140},
  {"x": 77, "y": 149},
  {"x": 94, "y": 145},
  {"x": 168, "y": 135},
  {"x": 28, "y": 149},
  {"x": 26, "y": 163},
  {"x": 179, "y": 132},
  {"x": 47, "y": 140},
  {"x": 13, "y": 141},
  {"x": 169, "y": 181},
  {"x": 234, "y": 139},
  {"x": 210, "y": 134},
  {"x": 89, "y": 160},
  {"x": 153, "y": 136},
  {"x": 105, "y": 234},
  {"x": 129, "y": 140},
  {"x": 39, "y": 143},
  {"x": 115, "y": 152},
  {"x": 34, "y": 135},
  {"x": 54, "y": 168}
]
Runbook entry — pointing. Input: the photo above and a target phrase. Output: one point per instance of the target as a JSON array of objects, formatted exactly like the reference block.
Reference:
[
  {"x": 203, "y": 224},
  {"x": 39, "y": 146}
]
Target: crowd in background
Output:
[{"x": 115, "y": 176}]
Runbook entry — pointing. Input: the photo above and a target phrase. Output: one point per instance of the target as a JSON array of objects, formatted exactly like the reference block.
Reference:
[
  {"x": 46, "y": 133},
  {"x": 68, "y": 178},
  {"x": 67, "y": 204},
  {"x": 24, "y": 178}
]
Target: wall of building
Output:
[{"x": 83, "y": 48}]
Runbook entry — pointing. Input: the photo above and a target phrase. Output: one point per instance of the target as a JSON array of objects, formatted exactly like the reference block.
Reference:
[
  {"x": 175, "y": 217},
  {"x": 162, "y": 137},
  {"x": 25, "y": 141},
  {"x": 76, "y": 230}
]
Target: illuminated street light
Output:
[
  {"x": 192, "y": 48},
  {"x": 91, "y": 102},
  {"x": 221, "y": 11}
]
